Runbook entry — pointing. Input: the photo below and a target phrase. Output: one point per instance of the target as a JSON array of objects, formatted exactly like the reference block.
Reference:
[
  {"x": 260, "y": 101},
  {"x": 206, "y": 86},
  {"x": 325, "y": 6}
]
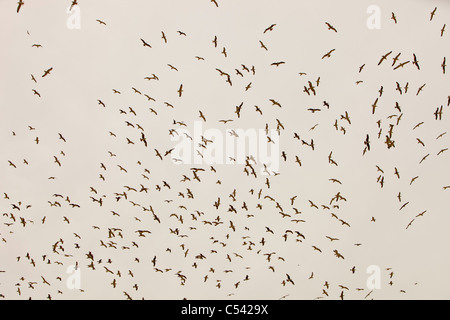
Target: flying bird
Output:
[
  {"x": 47, "y": 72},
  {"x": 145, "y": 44},
  {"x": 20, "y": 4},
  {"x": 328, "y": 54}
]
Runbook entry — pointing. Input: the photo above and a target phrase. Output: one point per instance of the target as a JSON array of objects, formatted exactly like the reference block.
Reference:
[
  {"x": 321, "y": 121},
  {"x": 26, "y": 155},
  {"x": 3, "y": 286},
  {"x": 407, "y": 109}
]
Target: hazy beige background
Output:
[{"x": 90, "y": 62}]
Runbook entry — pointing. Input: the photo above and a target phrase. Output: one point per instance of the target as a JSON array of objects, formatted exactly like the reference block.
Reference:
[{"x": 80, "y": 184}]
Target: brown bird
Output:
[
  {"x": 47, "y": 72},
  {"x": 20, "y": 4},
  {"x": 145, "y": 44},
  {"x": 337, "y": 254},
  {"x": 277, "y": 64},
  {"x": 433, "y": 13},
  {"x": 438, "y": 113},
  {"x": 275, "y": 103},
  {"x": 224, "y": 52},
  {"x": 263, "y": 46},
  {"x": 420, "y": 89},
  {"x": 393, "y": 17},
  {"x": 374, "y": 106},
  {"x": 202, "y": 116},
  {"x": 384, "y": 57},
  {"x": 328, "y": 55},
  {"x": 172, "y": 67},
  {"x": 415, "y": 62},
  {"x": 74, "y": 3},
  {"x": 61, "y": 137},
  {"x": 395, "y": 59},
  {"x": 401, "y": 65},
  {"x": 57, "y": 161}
]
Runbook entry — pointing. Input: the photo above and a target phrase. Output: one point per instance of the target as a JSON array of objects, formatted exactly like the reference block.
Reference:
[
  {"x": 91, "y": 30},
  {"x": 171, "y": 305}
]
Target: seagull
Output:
[{"x": 20, "y": 4}]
